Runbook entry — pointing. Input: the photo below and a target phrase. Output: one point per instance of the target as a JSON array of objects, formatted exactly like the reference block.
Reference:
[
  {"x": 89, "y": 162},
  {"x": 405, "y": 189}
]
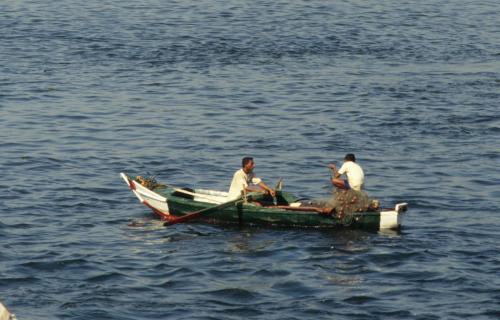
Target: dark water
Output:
[{"x": 183, "y": 90}]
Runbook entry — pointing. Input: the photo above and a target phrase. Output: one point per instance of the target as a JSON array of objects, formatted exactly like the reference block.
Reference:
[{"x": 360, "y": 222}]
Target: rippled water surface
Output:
[{"x": 184, "y": 89}]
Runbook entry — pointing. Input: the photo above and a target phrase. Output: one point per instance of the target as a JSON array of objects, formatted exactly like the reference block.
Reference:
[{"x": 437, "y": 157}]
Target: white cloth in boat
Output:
[
  {"x": 355, "y": 175},
  {"x": 240, "y": 181}
]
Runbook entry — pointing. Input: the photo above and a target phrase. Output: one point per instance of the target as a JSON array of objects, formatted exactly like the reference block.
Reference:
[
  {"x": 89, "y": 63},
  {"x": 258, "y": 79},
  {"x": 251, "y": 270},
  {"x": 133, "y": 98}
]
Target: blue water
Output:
[{"x": 183, "y": 90}]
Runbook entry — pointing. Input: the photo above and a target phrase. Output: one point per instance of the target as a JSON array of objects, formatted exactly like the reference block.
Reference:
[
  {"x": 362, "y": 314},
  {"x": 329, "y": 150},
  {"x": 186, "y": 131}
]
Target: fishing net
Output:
[
  {"x": 349, "y": 201},
  {"x": 343, "y": 203},
  {"x": 149, "y": 182}
]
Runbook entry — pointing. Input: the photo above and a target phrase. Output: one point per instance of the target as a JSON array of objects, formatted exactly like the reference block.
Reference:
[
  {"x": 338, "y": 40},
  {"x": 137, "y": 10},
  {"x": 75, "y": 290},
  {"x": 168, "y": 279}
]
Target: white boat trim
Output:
[
  {"x": 199, "y": 195},
  {"x": 392, "y": 219},
  {"x": 204, "y": 195}
]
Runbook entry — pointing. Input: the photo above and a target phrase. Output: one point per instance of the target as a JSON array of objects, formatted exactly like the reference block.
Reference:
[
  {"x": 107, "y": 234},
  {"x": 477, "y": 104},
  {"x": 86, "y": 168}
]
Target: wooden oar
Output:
[{"x": 195, "y": 214}]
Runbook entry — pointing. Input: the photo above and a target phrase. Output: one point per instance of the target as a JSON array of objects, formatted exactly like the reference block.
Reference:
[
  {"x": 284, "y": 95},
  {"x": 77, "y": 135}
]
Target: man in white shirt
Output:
[
  {"x": 355, "y": 175},
  {"x": 242, "y": 179}
]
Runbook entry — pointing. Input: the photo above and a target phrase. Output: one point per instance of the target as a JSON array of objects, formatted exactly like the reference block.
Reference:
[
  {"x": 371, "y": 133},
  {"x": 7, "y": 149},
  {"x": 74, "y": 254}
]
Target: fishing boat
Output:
[{"x": 174, "y": 204}]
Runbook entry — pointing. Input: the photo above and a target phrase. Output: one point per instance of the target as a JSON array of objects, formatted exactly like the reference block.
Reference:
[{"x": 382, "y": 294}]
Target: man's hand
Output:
[
  {"x": 272, "y": 193},
  {"x": 334, "y": 171},
  {"x": 266, "y": 189}
]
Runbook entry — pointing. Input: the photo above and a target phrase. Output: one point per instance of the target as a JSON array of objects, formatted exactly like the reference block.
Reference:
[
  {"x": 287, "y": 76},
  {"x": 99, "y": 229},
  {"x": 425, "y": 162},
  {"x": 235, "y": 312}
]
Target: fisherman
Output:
[
  {"x": 242, "y": 179},
  {"x": 348, "y": 197},
  {"x": 355, "y": 177}
]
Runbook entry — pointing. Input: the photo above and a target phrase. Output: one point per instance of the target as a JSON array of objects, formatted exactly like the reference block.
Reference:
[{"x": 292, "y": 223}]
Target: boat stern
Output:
[{"x": 393, "y": 218}]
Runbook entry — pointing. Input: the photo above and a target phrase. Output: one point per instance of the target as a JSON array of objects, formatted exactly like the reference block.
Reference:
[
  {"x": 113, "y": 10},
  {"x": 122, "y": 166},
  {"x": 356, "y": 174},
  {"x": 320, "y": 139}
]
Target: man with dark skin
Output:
[{"x": 242, "y": 179}]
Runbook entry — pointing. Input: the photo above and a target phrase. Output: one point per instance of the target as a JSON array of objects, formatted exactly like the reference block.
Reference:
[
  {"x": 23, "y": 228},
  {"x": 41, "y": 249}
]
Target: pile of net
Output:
[
  {"x": 343, "y": 203},
  {"x": 149, "y": 182},
  {"x": 349, "y": 201}
]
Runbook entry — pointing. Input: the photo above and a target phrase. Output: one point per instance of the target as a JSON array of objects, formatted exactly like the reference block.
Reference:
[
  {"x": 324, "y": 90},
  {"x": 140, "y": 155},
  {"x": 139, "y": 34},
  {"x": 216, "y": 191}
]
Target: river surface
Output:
[{"x": 183, "y": 90}]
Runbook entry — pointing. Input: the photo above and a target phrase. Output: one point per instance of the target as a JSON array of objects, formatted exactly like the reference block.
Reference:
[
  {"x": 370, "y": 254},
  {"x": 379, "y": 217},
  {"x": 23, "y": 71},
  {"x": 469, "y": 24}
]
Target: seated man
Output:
[
  {"x": 242, "y": 179},
  {"x": 355, "y": 175}
]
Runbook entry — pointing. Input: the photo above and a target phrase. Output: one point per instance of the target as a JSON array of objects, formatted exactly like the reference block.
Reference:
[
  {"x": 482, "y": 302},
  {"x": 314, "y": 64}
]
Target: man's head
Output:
[
  {"x": 247, "y": 164},
  {"x": 350, "y": 157}
]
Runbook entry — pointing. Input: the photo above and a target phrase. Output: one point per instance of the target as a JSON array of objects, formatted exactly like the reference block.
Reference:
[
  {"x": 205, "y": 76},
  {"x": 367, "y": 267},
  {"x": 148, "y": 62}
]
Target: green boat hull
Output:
[{"x": 249, "y": 214}]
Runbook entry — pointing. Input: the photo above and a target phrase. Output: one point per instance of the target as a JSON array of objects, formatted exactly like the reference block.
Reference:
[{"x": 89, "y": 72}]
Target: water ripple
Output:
[{"x": 182, "y": 92}]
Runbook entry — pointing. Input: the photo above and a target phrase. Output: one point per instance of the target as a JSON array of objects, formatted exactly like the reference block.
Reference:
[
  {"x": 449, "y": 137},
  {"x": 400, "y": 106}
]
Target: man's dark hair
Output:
[
  {"x": 350, "y": 157},
  {"x": 246, "y": 160}
]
